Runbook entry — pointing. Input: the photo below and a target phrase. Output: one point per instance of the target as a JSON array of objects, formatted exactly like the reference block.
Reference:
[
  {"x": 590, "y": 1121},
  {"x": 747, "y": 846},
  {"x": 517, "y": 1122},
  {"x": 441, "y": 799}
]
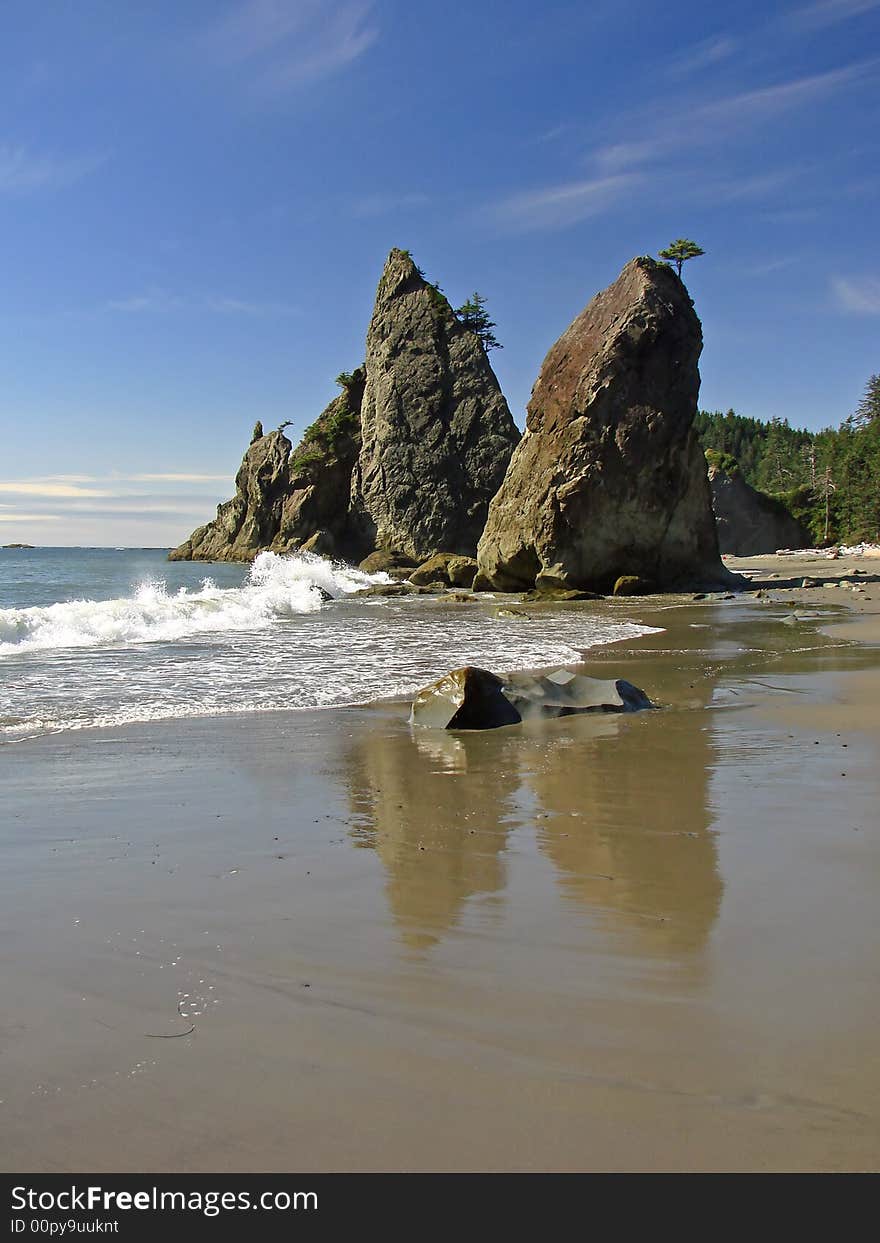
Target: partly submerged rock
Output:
[
  {"x": 609, "y": 478},
  {"x": 543, "y": 594},
  {"x": 437, "y": 433},
  {"x": 468, "y": 698},
  {"x": 473, "y": 698},
  {"x": 565, "y": 692}
]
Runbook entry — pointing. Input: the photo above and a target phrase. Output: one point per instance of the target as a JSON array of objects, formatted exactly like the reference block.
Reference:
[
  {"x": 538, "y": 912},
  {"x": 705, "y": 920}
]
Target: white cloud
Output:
[
  {"x": 155, "y": 302},
  {"x": 48, "y": 487},
  {"x": 828, "y": 13},
  {"x": 557, "y": 206},
  {"x": 284, "y": 44},
  {"x": 16, "y": 517},
  {"x": 161, "y": 302},
  {"x": 23, "y": 172},
  {"x": 177, "y": 478},
  {"x": 702, "y": 55},
  {"x": 860, "y": 295},
  {"x": 683, "y": 129}
]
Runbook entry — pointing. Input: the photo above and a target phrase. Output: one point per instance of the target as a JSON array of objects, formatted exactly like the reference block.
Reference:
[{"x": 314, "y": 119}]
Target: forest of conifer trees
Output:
[{"x": 829, "y": 480}]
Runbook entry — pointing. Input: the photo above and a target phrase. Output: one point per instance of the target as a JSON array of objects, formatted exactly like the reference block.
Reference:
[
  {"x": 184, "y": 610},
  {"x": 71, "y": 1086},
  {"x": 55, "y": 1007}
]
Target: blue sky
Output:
[{"x": 196, "y": 200}]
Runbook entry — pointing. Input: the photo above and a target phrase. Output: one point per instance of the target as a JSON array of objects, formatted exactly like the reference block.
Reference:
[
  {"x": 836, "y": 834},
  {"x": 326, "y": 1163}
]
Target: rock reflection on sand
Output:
[{"x": 619, "y": 805}]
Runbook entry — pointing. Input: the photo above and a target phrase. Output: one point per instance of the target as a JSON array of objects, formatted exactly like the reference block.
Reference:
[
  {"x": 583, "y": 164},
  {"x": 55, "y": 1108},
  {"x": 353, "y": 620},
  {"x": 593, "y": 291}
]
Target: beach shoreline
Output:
[{"x": 638, "y": 942}]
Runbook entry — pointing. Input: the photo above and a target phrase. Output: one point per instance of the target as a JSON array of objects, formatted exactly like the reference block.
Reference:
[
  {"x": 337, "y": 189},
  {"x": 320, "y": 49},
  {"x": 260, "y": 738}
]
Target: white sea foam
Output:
[
  {"x": 276, "y": 588},
  {"x": 264, "y": 646}
]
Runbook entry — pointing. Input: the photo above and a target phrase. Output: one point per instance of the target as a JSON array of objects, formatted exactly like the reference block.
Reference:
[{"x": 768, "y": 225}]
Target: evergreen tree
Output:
[
  {"x": 475, "y": 317},
  {"x": 868, "y": 409},
  {"x": 679, "y": 251}
]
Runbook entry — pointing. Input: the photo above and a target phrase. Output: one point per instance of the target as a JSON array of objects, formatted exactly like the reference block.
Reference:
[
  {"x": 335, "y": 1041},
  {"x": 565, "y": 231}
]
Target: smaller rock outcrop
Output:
[
  {"x": 473, "y": 698},
  {"x": 749, "y": 522},
  {"x": 319, "y": 477},
  {"x": 249, "y": 522},
  {"x": 445, "y": 568},
  {"x": 289, "y": 499}
]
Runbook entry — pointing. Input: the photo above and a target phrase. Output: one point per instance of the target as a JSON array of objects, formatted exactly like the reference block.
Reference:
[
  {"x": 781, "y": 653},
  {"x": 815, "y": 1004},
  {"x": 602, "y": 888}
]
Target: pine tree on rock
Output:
[
  {"x": 475, "y": 317},
  {"x": 679, "y": 251}
]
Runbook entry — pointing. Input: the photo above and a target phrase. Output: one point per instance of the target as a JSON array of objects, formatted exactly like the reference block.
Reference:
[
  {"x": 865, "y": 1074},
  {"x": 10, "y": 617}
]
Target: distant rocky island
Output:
[
  {"x": 18, "y": 545},
  {"x": 418, "y": 458}
]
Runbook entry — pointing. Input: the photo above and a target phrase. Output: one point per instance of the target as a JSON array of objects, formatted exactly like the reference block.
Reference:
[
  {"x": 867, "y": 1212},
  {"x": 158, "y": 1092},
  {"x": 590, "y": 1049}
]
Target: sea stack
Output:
[
  {"x": 404, "y": 462},
  {"x": 437, "y": 434},
  {"x": 609, "y": 479}
]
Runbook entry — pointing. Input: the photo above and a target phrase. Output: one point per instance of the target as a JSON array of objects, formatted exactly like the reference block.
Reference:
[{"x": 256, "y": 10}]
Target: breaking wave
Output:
[{"x": 275, "y": 588}]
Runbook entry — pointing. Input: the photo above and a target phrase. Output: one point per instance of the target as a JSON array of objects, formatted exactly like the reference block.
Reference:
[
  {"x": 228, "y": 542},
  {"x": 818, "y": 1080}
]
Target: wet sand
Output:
[{"x": 616, "y": 943}]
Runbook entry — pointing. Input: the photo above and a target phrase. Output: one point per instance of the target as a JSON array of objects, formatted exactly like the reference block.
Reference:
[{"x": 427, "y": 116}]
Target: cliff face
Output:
[
  {"x": 437, "y": 434},
  {"x": 316, "y": 505},
  {"x": 609, "y": 479},
  {"x": 749, "y": 522},
  {"x": 406, "y": 459},
  {"x": 285, "y": 498},
  {"x": 249, "y": 522}
]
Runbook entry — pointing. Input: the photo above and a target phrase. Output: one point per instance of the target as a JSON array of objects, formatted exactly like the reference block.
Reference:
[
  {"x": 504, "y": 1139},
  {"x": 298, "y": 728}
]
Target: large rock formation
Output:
[
  {"x": 405, "y": 460},
  {"x": 437, "y": 433},
  {"x": 750, "y": 522},
  {"x": 609, "y": 479},
  {"x": 287, "y": 499}
]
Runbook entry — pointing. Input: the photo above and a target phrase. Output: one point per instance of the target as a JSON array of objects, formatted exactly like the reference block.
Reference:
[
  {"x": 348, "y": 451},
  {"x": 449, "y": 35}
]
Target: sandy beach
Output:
[{"x": 643, "y": 942}]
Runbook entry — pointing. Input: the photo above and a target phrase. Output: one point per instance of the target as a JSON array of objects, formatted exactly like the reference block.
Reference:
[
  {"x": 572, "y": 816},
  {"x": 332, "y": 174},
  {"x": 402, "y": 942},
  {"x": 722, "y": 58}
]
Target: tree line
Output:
[{"x": 829, "y": 480}]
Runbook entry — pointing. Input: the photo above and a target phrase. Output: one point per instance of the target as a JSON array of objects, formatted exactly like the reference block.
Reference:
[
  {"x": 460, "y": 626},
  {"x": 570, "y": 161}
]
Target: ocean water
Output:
[{"x": 94, "y": 637}]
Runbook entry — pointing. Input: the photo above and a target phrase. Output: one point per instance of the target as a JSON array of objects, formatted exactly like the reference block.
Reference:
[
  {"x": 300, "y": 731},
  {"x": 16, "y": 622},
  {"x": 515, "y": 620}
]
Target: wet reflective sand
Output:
[{"x": 642, "y": 942}]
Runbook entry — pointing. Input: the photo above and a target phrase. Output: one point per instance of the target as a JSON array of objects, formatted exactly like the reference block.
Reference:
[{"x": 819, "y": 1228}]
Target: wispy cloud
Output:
[
  {"x": 113, "y": 488},
  {"x": 161, "y": 302},
  {"x": 731, "y": 188},
  {"x": 557, "y": 206},
  {"x": 707, "y": 124},
  {"x": 178, "y": 478},
  {"x": 171, "y": 503},
  {"x": 703, "y": 55},
  {"x": 860, "y": 295},
  {"x": 25, "y": 172},
  {"x": 19, "y": 517},
  {"x": 48, "y": 487},
  {"x": 284, "y": 44},
  {"x": 828, "y": 13},
  {"x": 155, "y": 302},
  {"x": 384, "y": 204},
  {"x": 768, "y": 267}
]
